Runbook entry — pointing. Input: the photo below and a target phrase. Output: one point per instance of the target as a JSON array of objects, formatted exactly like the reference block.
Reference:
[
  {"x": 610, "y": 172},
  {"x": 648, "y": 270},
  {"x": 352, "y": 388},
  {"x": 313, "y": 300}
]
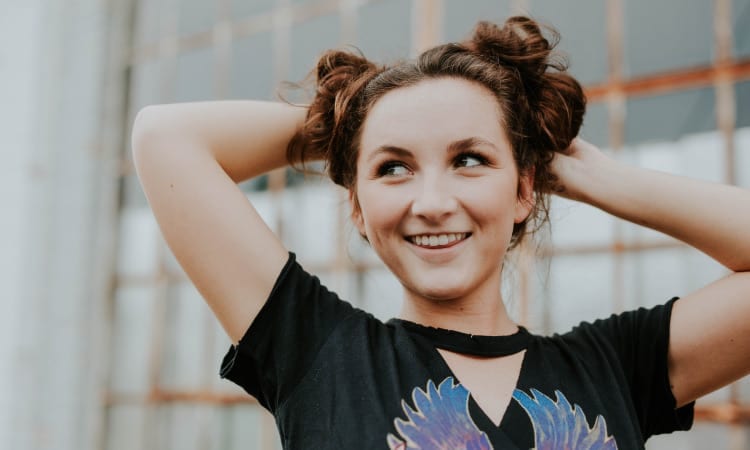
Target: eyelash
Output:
[
  {"x": 383, "y": 169},
  {"x": 388, "y": 165},
  {"x": 474, "y": 155}
]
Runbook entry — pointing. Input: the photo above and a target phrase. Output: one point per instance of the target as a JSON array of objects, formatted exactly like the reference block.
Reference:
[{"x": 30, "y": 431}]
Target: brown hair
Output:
[{"x": 541, "y": 105}]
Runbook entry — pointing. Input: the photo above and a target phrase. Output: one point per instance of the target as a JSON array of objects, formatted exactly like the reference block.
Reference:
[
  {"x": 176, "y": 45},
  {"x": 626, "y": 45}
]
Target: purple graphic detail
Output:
[
  {"x": 440, "y": 421},
  {"x": 558, "y": 425}
]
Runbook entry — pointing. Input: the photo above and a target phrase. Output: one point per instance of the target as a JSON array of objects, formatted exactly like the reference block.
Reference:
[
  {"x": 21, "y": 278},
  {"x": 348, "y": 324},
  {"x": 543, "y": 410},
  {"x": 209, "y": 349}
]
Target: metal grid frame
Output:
[{"x": 722, "y": 74}]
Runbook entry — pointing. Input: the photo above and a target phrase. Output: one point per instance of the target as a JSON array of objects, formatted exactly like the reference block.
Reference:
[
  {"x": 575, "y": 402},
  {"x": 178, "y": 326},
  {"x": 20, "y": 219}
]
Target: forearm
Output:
[
  {"x": 246, "y": 138},
  {"x": 711, "y": 217}
]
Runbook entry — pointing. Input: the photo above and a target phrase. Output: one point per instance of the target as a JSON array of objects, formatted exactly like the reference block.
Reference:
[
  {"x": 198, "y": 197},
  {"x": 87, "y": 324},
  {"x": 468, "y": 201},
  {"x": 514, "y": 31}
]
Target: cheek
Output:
[
  {"x": 381, "y": 210},
  {"x": 492, "y": 203}
]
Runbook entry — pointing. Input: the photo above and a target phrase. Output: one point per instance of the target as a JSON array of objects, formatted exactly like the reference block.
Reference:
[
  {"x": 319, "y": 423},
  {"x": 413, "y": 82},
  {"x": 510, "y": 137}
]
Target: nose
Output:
[{"x": 434, "y": 200}]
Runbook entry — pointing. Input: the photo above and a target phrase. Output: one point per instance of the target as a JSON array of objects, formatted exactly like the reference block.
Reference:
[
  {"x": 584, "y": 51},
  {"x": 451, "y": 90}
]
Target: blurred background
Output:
[{"x": 104, "y": 343}]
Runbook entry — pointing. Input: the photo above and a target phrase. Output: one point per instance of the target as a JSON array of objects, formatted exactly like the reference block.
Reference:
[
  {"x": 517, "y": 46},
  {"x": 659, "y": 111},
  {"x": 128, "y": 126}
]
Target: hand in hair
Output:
[
  {"x": 569, "y": 167},
  {"x": 711, "y": 217}
]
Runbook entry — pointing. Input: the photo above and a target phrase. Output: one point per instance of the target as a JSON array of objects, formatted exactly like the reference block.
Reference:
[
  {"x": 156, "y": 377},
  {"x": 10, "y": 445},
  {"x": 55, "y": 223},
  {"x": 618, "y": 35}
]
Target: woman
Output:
[{"x": 446, "y": 160}]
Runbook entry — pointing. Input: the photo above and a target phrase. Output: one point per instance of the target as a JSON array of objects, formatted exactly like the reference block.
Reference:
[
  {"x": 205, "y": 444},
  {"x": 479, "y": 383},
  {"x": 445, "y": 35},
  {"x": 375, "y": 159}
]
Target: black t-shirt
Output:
[{"x": 336, "y": 377}]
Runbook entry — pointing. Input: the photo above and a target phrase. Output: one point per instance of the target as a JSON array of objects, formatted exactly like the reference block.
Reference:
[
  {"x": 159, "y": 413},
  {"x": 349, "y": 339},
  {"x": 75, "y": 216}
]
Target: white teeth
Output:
[{"x": 437, "y": 239}]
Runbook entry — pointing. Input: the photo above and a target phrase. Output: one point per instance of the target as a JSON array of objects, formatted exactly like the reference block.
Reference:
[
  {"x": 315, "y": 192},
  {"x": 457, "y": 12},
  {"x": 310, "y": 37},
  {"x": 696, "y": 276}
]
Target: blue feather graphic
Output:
[
  {"x": 440, "y": 421},
  {"x": 560, "y": 426}
]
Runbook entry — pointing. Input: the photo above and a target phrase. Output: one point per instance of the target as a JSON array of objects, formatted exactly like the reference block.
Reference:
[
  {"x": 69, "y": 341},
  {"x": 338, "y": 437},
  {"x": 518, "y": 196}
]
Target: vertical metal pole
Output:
[
  {"x": 222, "y": 49},
  {"x": 348, "y": 14},
  {"x": 281, "y": 45},
  {"x": 114, "y": 116},
  {"x": 426, "y": 21},
  {"x": 725, "y": 101},
  {"x": 340, "y": 265},
  {"x": 616, "y": 96},
  {"x": 726, "y": 121},
  {"x": 282, "y": 27},
  {"x": 616, "y": 109},
  {"x": 169, "y": 51},
  {"x": 151, "y": 421},
  {"x": 222, "y": 41},
  {"x": 524, "y": 253}
]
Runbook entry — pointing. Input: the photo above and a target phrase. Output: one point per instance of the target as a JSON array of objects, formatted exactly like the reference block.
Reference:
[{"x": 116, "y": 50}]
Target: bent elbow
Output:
[{"x": 145, "y": 131}]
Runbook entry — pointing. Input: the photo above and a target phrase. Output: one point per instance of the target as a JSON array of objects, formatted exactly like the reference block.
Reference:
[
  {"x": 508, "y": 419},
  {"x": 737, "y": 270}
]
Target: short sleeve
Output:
[
  {"x": 284, "y": 339},
  {"x": 639, "y": 340}
]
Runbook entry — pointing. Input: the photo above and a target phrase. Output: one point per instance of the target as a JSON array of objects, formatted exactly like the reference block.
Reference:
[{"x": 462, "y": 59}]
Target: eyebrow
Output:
[
  {"x": 453, "y": 148},
  {"x": 465, "y": 144},
  {"x": 391, "y": 149}
]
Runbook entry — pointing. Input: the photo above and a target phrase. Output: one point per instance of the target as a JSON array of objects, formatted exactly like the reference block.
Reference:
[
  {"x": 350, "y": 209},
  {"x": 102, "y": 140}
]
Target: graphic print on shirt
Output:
[
  {"x": 558, "y": 425},
  {"x": 441, "y": 420}
]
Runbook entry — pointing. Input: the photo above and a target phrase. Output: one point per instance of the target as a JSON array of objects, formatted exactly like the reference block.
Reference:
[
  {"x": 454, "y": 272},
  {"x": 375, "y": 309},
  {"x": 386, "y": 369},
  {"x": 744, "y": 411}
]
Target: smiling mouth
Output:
[{"x": 441, "y": 240}]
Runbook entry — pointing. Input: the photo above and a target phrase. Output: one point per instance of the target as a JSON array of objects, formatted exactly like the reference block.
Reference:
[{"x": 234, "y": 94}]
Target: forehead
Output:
[{"x": 432, "y": 113}]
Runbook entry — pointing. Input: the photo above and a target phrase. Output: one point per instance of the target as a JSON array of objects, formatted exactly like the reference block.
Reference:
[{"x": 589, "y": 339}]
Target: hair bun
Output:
[
  {"x": 519, "y": 44},
  {"x": 554, "y": 100},
  {"x": 338, "y": 66},
  {"x": 339, "y": 76}
]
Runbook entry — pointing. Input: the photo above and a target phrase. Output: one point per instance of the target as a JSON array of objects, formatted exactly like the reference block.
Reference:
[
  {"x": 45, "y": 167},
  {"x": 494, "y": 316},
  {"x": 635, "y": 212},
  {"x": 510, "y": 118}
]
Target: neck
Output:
[{"x": 481, "y": 315}]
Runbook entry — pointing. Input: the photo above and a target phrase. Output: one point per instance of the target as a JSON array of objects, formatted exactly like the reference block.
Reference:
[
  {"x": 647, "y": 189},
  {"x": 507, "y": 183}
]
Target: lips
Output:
[{"x": 439, "y": 240}]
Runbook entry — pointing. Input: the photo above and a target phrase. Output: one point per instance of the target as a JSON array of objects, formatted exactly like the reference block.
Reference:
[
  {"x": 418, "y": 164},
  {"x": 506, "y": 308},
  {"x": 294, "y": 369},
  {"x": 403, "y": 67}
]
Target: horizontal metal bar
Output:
[
  {"x": 612, "y": 247},
  {"x": 671, "y": 81},
  {"x": 723, "y": 413},
  {"x": 161, "y": 396},
  {"x": 719, "y": 412},
  {"x": 239, "y": 28},
  {"x": 174, "y": 276}
]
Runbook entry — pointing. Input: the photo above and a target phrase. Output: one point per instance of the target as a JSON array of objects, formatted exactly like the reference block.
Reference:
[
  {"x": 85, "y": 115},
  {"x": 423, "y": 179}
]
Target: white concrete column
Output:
[
  {"x": 20, "y": 24},
  {"x": 57, "y": 186}
]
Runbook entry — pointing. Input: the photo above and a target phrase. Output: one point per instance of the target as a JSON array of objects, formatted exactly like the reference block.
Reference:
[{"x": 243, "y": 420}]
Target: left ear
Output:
[{"x": 525, "y": 197}]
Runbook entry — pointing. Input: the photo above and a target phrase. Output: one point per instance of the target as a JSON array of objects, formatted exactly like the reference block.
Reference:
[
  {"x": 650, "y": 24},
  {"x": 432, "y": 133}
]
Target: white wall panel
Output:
[{"x": 20, "y": 25}]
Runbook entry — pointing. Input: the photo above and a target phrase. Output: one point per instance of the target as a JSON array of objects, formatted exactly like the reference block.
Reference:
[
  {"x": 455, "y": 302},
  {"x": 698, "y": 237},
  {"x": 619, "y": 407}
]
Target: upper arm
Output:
[
  {"x": 709, "y": 341},
  {"x": 219, "y": 239}
]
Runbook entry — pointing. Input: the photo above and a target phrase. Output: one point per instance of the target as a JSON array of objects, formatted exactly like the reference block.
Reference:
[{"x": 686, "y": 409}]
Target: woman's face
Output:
[{"x": 437, "y": 190}]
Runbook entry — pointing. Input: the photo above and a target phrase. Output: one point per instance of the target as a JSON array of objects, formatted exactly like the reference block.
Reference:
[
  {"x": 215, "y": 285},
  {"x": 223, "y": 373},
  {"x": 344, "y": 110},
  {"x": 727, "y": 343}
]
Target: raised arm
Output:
[
  {"x": 710, "y": 328},
  {"x": 189, "y": 158}
]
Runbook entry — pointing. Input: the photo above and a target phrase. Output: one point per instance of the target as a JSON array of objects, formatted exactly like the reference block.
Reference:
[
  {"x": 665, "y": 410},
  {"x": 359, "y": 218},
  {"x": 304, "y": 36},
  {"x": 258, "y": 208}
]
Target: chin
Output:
[{"x": 437, "y": 292}]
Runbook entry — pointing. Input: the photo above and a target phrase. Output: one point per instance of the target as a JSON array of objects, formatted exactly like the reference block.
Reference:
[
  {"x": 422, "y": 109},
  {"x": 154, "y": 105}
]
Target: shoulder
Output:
[
  {"x": 641, "y": 323},
  {"x": 624, "y": 338}
]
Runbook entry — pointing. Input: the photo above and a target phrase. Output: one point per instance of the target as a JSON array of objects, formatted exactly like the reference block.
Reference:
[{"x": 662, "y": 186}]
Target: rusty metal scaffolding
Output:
[{"x": 722, "y": 75}]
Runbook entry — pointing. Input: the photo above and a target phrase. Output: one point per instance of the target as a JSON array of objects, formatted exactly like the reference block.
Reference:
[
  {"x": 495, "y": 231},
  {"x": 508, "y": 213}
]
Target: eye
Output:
[
  {"x": 470, "y": 159},
  {"x": 393, "y": 169}
]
